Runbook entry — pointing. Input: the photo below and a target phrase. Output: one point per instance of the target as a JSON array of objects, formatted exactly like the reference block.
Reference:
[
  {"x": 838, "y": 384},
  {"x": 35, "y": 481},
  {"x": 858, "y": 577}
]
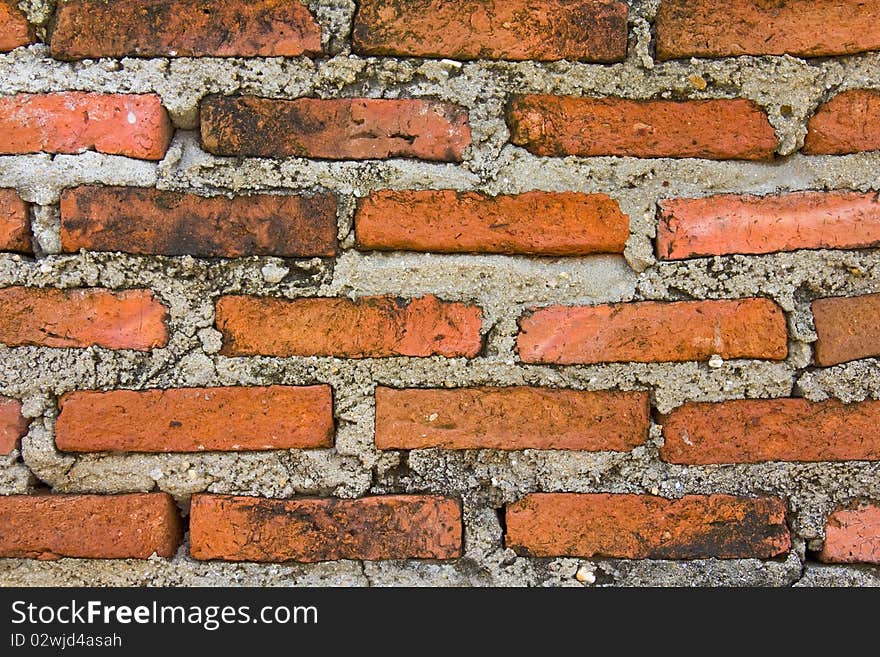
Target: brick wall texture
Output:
[{"x": 440, "y": 292}]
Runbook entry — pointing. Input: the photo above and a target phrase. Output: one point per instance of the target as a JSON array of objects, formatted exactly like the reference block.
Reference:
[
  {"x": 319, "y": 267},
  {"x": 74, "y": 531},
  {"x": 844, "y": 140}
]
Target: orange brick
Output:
[
  {"x": 184, "y": 28},
  {"x": 511, "y": 418},
  {"x": 15, "y": 228},
  {"x": 651, "y": 331},
  {"x": 334, "y": 129},
  {"x": 149, "y": 221},
  {"x": 715, "y": 129},
  {"x": 46, "y": 317},
  {"x": 535, "y": 223},
  {"x": 371, "y": 327},
  {"x": 720, "y": 225},
  {"x": 12, "y": 424},
  {"x": 310, "y": 530},
  {"x": 848, "y": 123},
  {"x": 196, "y": 419},
  {"x": 15, "y": 30},
  {"x": 72, "y": 122},
  {"x": 760, "y": 430},
  {"x": 89, "y": 526},
  {"x": 647, "y": 527},
  {"x": 579, "y": 30},
  {"x": 853, "y": 535},
  {"x": 805, "y": 28},
  {"x": 847, "y": 328}
]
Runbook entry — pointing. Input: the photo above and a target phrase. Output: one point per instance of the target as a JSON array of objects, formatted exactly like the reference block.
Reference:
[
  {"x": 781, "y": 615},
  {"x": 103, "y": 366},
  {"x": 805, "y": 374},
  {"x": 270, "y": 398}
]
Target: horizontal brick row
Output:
[
  {"x": 578, "y": 30},
  {"x": 150, "y": 221},
  {"x": 307, "y": 530},
  {"x": 136, "y": 125},
  {"x": 503, "y": 418},
  {"x": 639, "y": 332}
]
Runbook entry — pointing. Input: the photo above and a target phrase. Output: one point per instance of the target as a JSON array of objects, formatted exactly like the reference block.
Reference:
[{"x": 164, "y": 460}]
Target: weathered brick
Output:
[
  {"x": 848, "y": 123},
  {"x": 651, "y": 331},
  {"x": 47, "y": 317},
  {"x": 511, "y": 418},
  {"x": 12, "y": 424},
  {"x": 134, "y": 125},
  {"x": 196, "y": 419},
  {"x": 579, "y": 30},
  {"x": 534, "y": 223},
  {"x": 853, "y": 535},
  {"x": 149, "y": 221},
  {"x": 15, "y": 30},
  {"x": 89, "y": 526},
  {"x": 760, "y": 430},
  {"x": 714, "y": 129},
  {"x": 370, "y": 327},
  {"x": 805, "y": 28},
  {"x": 847, "y": 328},
  {"x": 720, "y": 225},
  {"x": 310, "y": 530},
  {"x": 334, "y": 129},
  {"x": 183, "y": 28},
  {"x": 15, "y": 228},
  {"x": 647, "y": 527}
]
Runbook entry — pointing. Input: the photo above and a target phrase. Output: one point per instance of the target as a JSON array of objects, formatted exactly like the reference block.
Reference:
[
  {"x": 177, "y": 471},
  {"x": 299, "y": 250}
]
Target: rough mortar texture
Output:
[{"x": 789, "y": 89}]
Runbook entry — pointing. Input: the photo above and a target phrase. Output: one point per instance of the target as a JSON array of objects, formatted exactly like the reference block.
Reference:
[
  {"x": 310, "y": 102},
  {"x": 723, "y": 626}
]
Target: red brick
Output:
[
  {"x": 310, "y": 530},
  {"x": 714, "y": 129},
  {"x": 15, "y": 227},
  {"x": 196, "y": 419},
  {"x": 647, "y": 527},
  {"x": 651, "y": 331},
  {"x": 847, "y": 328},
  {"x": 805, "y": 28},
  {"x": 853, "y": 535},
  {"x": 184, "y": 28},
  {"x": 719, "y": 225},
  {"x": 334, "y": 129},
  {"x": 848, "y": 123},
  {"x": 578, "y": 30},
  {"x": 72, "y": 122},
  {"x": 12, "y": 424},
  {"x": 89, "y": 526},
  {"x": 149, "y": 221},
  {"x": 15, "y": 30},
  {"x": 535, "y": 223},
  {"x": 47, "y": 317},
  {"x": 760, "y": 430},
  {"x": 371, "y": 327},
  {"x": 511, "y": 418}
]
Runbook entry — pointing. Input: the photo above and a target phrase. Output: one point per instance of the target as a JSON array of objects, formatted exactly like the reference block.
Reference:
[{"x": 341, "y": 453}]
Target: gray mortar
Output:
[{"x": 789, "y": 89}]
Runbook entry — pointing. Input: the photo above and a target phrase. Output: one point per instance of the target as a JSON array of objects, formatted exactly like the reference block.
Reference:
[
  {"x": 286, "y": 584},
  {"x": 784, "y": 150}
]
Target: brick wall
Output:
[{"x": 578, "y": 292}]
